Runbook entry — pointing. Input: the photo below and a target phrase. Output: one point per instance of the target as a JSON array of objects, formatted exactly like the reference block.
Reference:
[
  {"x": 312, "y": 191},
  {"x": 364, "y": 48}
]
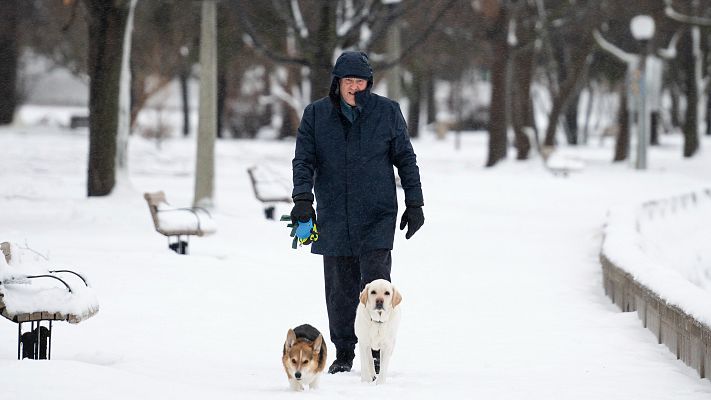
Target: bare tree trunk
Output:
[
  {"x": 221, "y": 96},
  {"x": 107, "y": 22},
  {"x": 415, "y": 97},
  {"x": 571, "y": 121},
  {"x": 691, "y": 123},
  {"x": 429, "y": 92},
  {"x": 622, "y": 145},
  {"x": 522, "y": 104},
  {"x": 184, "y": 96},
  {"x": 322, "y": 58},
  {"x": 570, "y": 86},
  {"x": 290, "y": 119},
  {"x": 497, "y": 112},
  {"x": 9, "y": 15},
  {"x": 674, "y": 94}
]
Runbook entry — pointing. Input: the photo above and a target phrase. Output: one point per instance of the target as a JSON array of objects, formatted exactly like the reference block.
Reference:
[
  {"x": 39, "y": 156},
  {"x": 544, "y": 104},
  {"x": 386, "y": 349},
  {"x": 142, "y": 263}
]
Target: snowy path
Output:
[{"x": 502, "y": 287}]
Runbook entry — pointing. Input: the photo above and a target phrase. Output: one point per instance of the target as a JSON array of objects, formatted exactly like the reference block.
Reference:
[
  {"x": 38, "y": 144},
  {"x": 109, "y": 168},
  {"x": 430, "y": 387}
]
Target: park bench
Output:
[
  {"x": 270, "y": 187},
  {"x": 178, "y": 224},
  {"x": 32, "y": 292}
]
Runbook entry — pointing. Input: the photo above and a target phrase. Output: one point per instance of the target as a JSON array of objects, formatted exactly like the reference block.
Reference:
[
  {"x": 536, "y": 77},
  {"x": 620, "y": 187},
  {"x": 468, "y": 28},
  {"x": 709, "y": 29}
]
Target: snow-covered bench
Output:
[
  {"x": 178, "y": 222},
  {"x": 30, "y": 291},
  {"x": 269, "y": 187}
]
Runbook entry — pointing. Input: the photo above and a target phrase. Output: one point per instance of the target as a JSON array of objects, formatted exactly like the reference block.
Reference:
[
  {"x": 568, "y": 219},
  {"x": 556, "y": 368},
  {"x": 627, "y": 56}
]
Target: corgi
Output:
[{"x": 304, "y": 357}]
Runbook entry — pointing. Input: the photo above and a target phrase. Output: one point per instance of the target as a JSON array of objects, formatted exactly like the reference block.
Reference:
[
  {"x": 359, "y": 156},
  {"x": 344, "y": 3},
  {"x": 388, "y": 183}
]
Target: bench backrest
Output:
[
  {"x": 5, "y": 247},
  {"x": 153, "y": 200}
]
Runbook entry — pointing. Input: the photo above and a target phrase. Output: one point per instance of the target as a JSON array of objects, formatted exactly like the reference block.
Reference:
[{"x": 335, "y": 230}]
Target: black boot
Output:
[{"x": 343, "y": 362}]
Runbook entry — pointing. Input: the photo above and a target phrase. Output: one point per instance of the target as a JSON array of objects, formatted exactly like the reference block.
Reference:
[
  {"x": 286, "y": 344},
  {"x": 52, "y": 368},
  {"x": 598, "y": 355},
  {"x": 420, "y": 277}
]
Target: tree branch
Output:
[
  {"x": 683, "y": 18},
  {"x": 415, "y": 43},
  {"x": 275, "y": 56},
  {"x": 615, "y": 51}
]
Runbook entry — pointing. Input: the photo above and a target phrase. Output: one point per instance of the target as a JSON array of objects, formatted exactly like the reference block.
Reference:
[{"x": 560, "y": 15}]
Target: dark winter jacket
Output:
[{"x": 350, "y": 168}]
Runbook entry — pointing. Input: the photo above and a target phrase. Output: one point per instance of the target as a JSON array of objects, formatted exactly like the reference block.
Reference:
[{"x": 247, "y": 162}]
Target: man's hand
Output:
[
  {"x": 303, "y": 210},
  {"x": 413, "y": 218}
]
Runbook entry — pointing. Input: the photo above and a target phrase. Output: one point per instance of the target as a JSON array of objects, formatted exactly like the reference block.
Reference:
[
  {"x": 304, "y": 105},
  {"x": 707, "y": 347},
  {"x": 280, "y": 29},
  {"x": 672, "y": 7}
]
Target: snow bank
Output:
[{"x": 661, "y": 244}]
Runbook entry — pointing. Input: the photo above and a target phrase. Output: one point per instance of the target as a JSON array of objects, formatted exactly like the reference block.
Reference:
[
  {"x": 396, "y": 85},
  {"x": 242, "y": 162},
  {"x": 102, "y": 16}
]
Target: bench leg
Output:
[
  {"x": 35, "y": 344},
  {"x": 180, "y": 246}
]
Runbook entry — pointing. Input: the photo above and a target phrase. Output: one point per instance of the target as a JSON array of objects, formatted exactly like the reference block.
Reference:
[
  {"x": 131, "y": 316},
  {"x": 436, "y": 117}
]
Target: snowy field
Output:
[{"x": 502, "y": 293}]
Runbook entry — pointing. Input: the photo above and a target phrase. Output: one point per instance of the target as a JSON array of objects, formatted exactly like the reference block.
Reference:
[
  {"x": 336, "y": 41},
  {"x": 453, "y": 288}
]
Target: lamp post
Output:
[{"x": 642, "y": 27}]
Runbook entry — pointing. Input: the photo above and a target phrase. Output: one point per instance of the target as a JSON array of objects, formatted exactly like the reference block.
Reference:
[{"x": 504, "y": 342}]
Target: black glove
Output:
[
  {"x": 303, "y": 208},
  {"x": 414, "y": 218}
]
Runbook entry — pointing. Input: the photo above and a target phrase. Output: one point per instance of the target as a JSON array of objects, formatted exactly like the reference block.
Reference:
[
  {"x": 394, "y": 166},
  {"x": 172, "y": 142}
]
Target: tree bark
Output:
[
  {"x": 429, "y": 92},
  {"x": 691, "y": 123},
  {"x": 107, "y": 23},
  {"x": 320, "y": 60},
  {"x": 622, "y": 144},
  {"x": 184, "y": 96},
  {"x": 9, "y": 15},
  {"x": 497, "y": 112},
  {"x": 570, "y": 86},
  {"x": 415, "y": 100},
  {"x": 522, "y": 104}
]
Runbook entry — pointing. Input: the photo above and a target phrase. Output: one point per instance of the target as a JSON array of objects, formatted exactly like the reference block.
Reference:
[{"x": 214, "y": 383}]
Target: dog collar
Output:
[{"x": 377, "y": 322}]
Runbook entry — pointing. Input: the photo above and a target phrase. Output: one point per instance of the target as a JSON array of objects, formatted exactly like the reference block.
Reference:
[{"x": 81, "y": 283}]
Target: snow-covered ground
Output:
[{"x": 502, "y": 293}]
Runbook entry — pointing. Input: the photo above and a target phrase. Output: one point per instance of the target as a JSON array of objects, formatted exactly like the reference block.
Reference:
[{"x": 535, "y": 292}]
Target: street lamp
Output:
[{"x": 642, "y": 27}]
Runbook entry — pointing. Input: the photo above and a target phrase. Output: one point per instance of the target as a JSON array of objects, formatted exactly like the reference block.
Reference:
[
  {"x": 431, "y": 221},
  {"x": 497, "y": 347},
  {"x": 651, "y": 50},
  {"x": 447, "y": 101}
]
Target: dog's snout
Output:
[
  {"x": 379, "y": 304},
  {"x": 297, "y": 375}
]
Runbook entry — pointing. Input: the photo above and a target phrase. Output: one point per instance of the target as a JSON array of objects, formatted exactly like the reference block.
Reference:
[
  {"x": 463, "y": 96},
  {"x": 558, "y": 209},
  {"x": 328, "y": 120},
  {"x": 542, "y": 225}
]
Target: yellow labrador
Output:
[{"x": 376, "y": 323}]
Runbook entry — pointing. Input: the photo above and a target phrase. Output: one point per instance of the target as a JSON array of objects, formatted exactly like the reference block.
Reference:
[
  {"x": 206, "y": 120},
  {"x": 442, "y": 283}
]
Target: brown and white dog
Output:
[
  {"x": 304, "y": 357},
  {"x": 376, "y": 323}
]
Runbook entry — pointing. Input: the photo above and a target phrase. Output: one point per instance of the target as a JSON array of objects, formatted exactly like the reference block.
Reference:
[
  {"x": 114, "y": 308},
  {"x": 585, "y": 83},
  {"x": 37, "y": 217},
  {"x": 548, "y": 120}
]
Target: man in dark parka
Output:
[{"x": 346, "y": 147}]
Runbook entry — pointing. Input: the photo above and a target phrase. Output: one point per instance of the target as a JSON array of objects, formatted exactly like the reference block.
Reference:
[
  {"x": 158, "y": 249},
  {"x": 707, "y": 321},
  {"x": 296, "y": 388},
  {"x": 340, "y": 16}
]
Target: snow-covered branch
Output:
[
  {"x": 299, "y": 19},
  {"x": 627, "y": 58},
  {"x": 669, "y": 52},
  {"x": 683, "y": 18}
]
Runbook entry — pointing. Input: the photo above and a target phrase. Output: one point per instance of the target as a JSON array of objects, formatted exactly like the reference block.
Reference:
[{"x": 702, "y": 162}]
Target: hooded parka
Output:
[{"x": 349, "y": 166}]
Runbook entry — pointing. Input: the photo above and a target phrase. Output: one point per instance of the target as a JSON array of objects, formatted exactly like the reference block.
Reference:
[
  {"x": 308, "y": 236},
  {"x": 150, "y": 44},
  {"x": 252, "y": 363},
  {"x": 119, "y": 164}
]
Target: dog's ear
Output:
[
  {"x": 318, "y": 343},
  {"x": 397, "y": 297},
  {"x": 290, "y": 339},
  {"x": 364, "y": 295}
]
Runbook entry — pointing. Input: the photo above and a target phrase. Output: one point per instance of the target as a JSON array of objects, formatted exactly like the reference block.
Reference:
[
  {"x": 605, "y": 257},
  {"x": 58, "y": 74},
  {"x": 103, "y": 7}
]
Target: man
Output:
[{"x": 346, "y": 147}]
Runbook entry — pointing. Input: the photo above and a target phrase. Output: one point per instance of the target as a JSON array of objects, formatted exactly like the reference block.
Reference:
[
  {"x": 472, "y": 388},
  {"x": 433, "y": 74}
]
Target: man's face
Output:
[{"x": 349, "y": 86}]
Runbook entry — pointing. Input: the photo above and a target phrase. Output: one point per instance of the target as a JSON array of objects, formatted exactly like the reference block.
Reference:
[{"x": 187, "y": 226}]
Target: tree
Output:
[
  {"x": 312, "y": 39},
  {"x": 107, "y": 24},
  {"x": 497, "y": 33},
  {"x": 691, "y": 60},
  {"x": 9, "y": 15},
  {"x": 207, "y": 121}
]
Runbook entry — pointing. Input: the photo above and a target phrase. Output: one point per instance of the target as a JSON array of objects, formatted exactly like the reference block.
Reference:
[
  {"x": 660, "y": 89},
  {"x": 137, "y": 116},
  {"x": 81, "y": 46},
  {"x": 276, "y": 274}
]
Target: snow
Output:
[
  {"x": 502, "y": 287},
  {"x": 663, "y": 244},
  {"x": 172, "y": 219}
]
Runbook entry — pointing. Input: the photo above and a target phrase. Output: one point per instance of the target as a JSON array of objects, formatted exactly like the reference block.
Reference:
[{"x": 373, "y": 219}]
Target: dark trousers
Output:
[{"x": 345, "y": 277}]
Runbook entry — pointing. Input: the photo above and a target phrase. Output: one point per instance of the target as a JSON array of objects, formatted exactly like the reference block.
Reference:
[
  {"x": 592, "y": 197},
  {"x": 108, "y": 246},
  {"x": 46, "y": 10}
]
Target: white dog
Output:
[{"x": 376, "y": 322}]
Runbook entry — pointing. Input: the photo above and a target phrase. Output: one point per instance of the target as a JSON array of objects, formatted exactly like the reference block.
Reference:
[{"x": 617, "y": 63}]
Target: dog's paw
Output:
[
  {"x": 367, "y": 378},
  {"x": 380, "y": 381}
]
